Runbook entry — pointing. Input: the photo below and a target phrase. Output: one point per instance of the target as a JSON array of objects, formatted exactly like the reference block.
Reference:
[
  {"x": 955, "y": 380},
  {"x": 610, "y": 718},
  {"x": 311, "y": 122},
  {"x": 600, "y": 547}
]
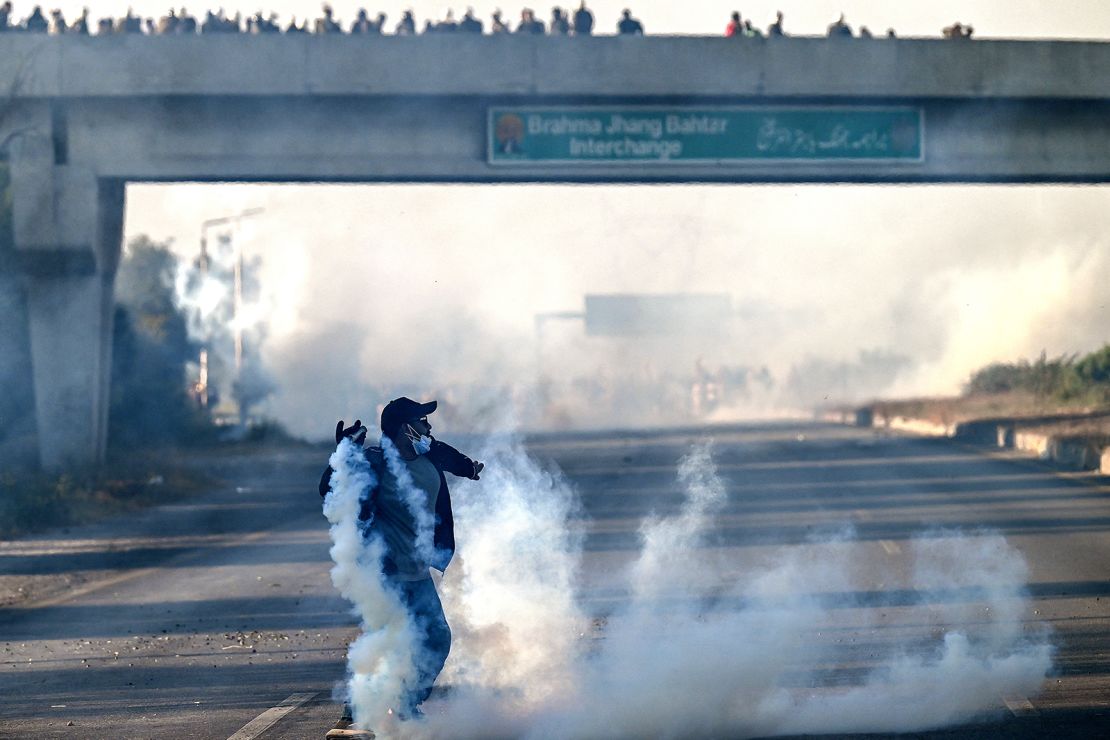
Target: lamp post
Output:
[{"x": 203, "y": 261}]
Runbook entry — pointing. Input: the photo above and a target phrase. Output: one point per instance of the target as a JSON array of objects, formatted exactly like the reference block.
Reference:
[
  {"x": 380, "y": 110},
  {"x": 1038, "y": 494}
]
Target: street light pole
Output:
[{"x": 237, "y": 295}]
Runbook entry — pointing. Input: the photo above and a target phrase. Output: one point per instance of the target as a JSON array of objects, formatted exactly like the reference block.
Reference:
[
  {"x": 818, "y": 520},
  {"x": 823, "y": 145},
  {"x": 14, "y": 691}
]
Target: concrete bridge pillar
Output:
[{"x": 67, "y": 228}]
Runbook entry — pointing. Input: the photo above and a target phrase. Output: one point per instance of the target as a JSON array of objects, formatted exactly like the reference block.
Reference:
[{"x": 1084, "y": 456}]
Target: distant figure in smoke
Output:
[{"x": 412, "y": 488}]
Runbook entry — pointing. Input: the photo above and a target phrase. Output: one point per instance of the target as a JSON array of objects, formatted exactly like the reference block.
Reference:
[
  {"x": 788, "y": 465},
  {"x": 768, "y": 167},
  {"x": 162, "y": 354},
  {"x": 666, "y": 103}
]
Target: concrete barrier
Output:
[
  {"x": 923, "y": 427},
  {"x": 1033, "y": 443},
  {"x": 836, "y": 416},
  {"x": 860, "y": 417},
  {"x": 1075, "y": 453},
  {"x": 978, "y": 431}
]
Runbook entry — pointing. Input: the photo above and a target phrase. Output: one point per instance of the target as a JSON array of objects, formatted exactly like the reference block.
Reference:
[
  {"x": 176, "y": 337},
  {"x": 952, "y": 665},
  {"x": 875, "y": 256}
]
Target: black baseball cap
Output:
[{"x": 402, "y": 410}]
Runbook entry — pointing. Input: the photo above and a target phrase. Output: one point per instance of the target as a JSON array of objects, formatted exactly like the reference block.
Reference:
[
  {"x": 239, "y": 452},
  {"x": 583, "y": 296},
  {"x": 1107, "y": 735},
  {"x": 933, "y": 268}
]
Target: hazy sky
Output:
[
  {"x": 995, "y": 18},
  {"x": 438, "y": 285},
  {"x": 381, "y": 284}
]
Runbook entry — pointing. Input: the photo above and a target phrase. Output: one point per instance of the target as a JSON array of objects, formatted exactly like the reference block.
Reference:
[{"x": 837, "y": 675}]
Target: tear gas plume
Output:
[
  {"x": 379, "y": 662},
  {"x": 690, "y": 651},
  {"x": 845, "y": 293}
]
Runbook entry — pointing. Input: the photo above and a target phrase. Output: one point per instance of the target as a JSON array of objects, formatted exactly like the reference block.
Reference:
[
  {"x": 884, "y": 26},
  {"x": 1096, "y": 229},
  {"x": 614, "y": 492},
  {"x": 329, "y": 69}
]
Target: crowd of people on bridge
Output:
[
  {"x": 743, "y": 28},
  {"x": 579, "y": 22},
  {"x": 563, "y": 22}
]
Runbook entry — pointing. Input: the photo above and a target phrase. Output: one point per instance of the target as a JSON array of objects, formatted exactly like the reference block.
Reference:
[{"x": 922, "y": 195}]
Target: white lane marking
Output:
[
  {"x": 270, "y": 717},
  {"x": 1019, "y": 706},
  {"x": 891, "y": 547}
]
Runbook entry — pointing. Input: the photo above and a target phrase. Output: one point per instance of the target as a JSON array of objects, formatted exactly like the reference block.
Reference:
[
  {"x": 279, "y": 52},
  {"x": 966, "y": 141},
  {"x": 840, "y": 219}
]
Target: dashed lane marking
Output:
[
  {"x": 891, "y": 547},
  {"x": 1019, "y": 706},
  {"x": 270, "y": 717}
]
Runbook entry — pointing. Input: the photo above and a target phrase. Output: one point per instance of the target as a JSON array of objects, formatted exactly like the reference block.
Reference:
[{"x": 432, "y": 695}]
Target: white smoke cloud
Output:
[
  {"x": 693, "y": 652},
  {"x": 379, "y": 661},
  {"x": 512, "y": 595},
  {"x": 948, "y": 278}
]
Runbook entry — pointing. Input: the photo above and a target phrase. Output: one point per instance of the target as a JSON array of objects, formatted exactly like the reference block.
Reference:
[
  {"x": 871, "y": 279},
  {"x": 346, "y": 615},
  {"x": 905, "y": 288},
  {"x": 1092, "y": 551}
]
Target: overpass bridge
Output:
[{"x": 83, "y": 116}]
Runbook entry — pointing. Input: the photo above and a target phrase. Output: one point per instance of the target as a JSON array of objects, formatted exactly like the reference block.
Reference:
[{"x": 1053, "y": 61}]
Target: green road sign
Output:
[{"x": 711, "y": 135}]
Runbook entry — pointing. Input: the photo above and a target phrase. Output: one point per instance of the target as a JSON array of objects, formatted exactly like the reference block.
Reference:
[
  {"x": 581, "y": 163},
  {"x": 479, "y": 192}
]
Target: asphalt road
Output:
[{"x": 194, "y": 619}]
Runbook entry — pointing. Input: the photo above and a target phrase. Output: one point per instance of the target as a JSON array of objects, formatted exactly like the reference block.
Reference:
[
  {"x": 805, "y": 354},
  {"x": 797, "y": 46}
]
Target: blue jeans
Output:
[{"x": 430, "y": 653}]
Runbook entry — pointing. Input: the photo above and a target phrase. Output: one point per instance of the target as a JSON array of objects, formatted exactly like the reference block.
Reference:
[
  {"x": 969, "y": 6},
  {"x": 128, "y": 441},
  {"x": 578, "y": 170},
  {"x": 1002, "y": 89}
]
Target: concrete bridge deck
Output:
[{"x": 652, "y": 66}]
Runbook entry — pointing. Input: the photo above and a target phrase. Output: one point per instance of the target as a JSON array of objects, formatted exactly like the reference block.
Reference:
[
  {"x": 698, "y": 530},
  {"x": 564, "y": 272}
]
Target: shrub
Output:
[{"x": 1063, "y": 378}]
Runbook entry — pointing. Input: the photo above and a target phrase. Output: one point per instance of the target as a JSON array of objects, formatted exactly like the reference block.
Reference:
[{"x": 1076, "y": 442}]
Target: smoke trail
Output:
[
  {"x": 423, "y": 518},
  {"x": 379, "y": 662},
  {"x": 969, "y": 672},
  {"x": 511, "y": 598},
  {"x": 695, "y": 651},
  {"x": 677, "y": 661}
]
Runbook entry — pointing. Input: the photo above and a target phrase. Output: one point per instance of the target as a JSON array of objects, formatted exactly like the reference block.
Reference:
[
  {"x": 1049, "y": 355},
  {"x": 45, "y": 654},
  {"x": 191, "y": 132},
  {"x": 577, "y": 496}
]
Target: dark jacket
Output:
[{"x": 446, "y": 459}]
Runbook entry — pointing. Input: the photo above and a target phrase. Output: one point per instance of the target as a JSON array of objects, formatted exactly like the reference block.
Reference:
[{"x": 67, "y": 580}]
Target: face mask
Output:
[{"x": 420, "y": 443}]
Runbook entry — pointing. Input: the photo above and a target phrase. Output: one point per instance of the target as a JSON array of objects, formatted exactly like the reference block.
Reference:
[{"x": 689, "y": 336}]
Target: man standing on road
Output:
[{"x": 410, "y": 496}]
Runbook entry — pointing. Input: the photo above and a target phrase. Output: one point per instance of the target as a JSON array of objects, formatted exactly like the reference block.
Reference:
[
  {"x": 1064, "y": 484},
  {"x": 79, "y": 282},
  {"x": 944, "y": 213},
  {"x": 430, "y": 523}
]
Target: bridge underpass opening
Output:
[{"x": 557, "y": 306}]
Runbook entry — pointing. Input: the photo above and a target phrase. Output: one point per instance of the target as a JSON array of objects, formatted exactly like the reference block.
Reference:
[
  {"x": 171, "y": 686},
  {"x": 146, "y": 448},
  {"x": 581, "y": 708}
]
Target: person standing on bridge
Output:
[
  {"x": 735, "y": 27},
  {"x": 470, "y": 24},
  {"x": 775, "y": 30},
  {"x": 407, "y": 25},
  {"x": 583, "y": 21},
  {"x": 411, "y": 490},
  {"x": 629, "y": 26}
]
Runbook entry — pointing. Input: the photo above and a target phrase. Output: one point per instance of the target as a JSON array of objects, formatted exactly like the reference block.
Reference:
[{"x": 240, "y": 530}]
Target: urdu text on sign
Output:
[{"x": 659, "y": 135}]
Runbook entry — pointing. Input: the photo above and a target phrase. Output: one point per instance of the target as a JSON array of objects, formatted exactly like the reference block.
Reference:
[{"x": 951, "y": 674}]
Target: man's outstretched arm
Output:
[{"x": 448, "y": 459}]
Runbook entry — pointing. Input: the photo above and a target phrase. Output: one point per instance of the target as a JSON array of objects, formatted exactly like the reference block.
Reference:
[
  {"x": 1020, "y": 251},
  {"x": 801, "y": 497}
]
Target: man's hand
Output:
[
  {"x": 478, "y": 468},
  {"x": 356, "y": 432}
]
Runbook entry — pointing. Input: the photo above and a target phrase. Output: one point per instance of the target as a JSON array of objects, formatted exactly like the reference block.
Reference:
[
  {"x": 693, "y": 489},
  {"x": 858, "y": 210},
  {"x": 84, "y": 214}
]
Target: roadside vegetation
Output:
[
  {"x": 159, "y": 436},
  {"x": 1070, "y": 380},
  {"x": 1069, "y": 392}
]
